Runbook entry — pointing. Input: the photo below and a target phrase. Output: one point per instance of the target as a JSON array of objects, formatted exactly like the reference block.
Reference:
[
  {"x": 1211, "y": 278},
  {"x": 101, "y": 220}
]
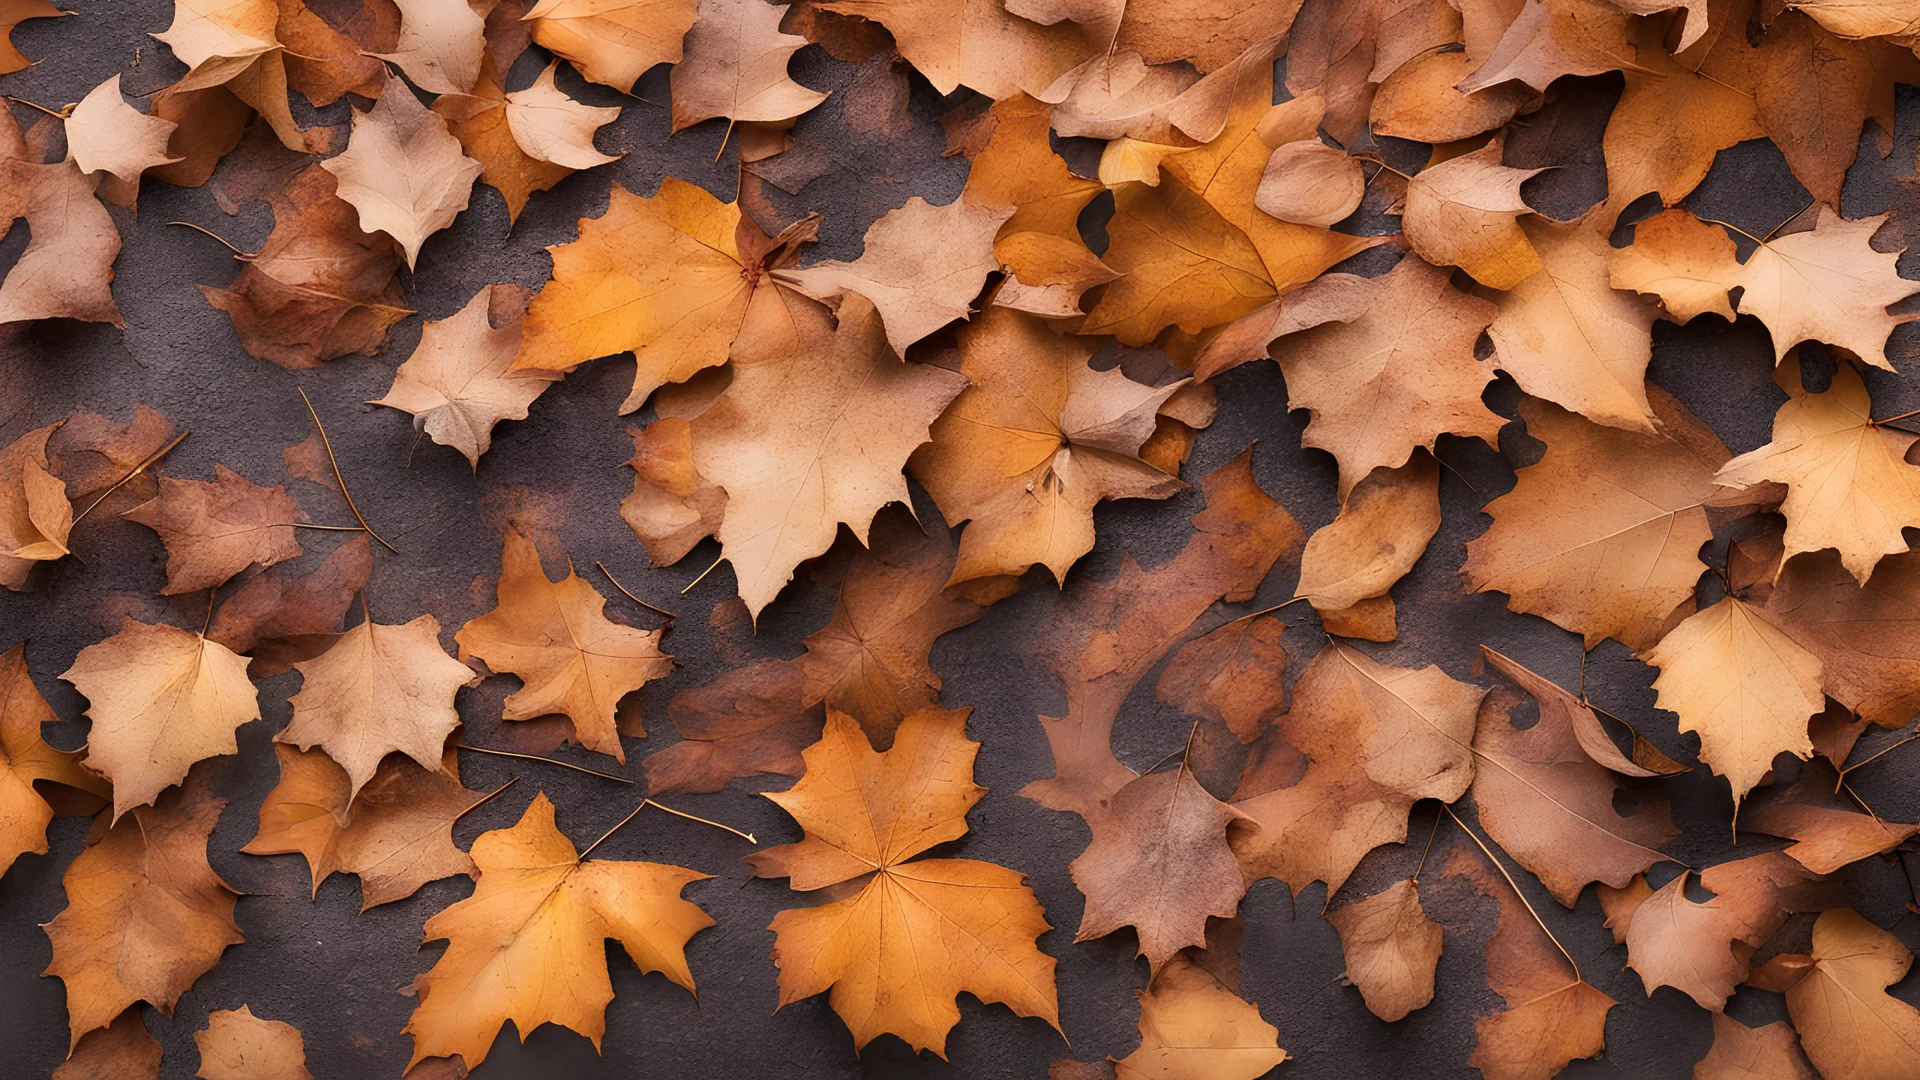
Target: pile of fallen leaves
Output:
[{"x": 984, "y": 349}]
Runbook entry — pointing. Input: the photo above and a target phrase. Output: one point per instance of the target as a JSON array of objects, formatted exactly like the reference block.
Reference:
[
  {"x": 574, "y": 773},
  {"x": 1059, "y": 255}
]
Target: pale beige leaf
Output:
[
  {"x": 403, "y": 170},
  {"x": 105, "y": 134},
  {"x": 552, "y": 127},
  {"x": 440, "y": 47},
  {"x": 1311, "y": 183}
]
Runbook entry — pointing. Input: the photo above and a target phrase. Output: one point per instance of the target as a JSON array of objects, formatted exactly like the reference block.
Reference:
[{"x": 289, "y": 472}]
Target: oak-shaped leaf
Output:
[
  {"x": 160, "y": 698},
  {"x": 1850, "y": 1027},
  {"x": 146, "y": 915},
  {"x": 378, "y": 688},
  {"x": 530, "y": 944},
  {"x": 27, "y": 760},
  {"x": 940, "y": 926},
  {"x": 237, "y": 1045},
  {"x": 397, "y": 836}
]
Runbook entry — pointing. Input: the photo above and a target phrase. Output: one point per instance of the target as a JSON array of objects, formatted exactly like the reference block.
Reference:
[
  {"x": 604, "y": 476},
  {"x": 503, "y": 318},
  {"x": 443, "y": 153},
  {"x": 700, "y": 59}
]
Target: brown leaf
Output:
[
  {"x": 398, "y": 837},
  {"x": 942, "y": 926},
  {"x": 1702, "y": 950},
  {"x": 1553, "y": 1016},
  {"x": 1829, "y": 832},
  {"x": 1551, "y": 38},
  {"x": 325, "y": 64},
  {"x": 1850, "y": 1027},
  {"x": 460, "y": 380},
  {"x": 1602, "y": 534},
  {"x": 1232, "y": 676},
  {"x": 1561, "y": 709},
  {"x": 35, "y": 515},
  {"x": 1040, "y": 245},
  {"x": 160, "y": 699},
  {"x": 215, "y": 530},
  {"x": 735, "y": 66},
  {"x": 978, "y": 43},
  {"x": 1391, "y": 949},
  {"x": 1336, "y": 777},
  {"x": 1865, "y": 637},
  {"x": 480, "y": 121},
  {"x": 1551, "y": 806},
  {"x": 1813, "y": 90},
  {"x": 123, "y": 1050},
  {"x": 1193, "y": 1026},
  {"x": 26, "y": 760},
  {"x": 146, "y": 916},
  {"x": 280, "y": 618},
  {"x": 91, "y": 453},
  {"x": 237, "y": 1045},
  {"x": 402, "y": 170},
  {"x": 570, "y": 657},
  {"x": 529, "y": 946},
  {"x": 1768, "y": 1052},
  {"x": 1677, "y": 112},
  {"x": 1419, "y": 100},
  {"x": 379, "y": 688}
]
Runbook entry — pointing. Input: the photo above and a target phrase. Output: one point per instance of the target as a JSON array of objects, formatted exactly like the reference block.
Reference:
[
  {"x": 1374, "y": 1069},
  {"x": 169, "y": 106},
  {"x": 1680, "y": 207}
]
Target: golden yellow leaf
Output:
[
  {"x": 26, "y": 760},
  {"x": 613, "y": 42},
  {"x": 1194, "y": 1028}
]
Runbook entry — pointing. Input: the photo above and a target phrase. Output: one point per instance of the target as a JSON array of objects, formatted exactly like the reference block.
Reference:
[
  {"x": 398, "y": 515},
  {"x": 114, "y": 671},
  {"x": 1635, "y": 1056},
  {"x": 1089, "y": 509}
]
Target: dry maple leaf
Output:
[
  {"x": 1676, "y": 112},
  {"x": 145, "y": 915},
  {"x": 277, "y": 618},
  {"x": 1464, "y": 212},
  {"x": 937, "y": 926},
  {"x": 67, "y": 268},
  {"x": 1375, "y": 739},
  {"x": 237, "y": 1045},
  {"x": 1768, "y": 1052},
  {"x": 440, "y": 44},
  {"x": 1867, "y": 638},
  {"x": 978, "y": 43},
  {"x": 160, "y": 698},
  {"x": 215, "y": 530},
  {"x": 1553, "y": 1016},
  {"x": 1193, "y": 1026},
  {"x": 92, "y": 454},
  {"x": 379, "y": 688},
  {"x": 1038, "y": 439},
  {"x": 1418, "y": 101},
  {"x": 736, "y": 66},
  {"x": 870, "y": 661},
  {"x": 1566, "y": 335},
  {"x": 1391, "y": 949},
  {"x": 319, "y": 287},
  {"x": 1381, "y": 531},
  {"x": 679, "y": 279},
  {"x": 1813, "y": 90},
  {"x": 123, "y": 1050},
  {"x": 403, "y": 171},
  {"x": 1120, "y": 95},
  {"x": 1827, "y": 284},
  {"x": 1849, "y": 486},
  {"x": 812, "y": 434},
  {"x": 479, "y": 120},
  {"x": 398, "y": 837},
  {"x": 27, "y": 760},
  {"x": 1829, "y": 832},
  {"x": 1562, "y": 710},
  {"x": 1384, "y": 365},
  {"x": 1702, "y": 950},
  {"x": 1551, "y": 38},
  {"x": 460, "y": 380},
  {"x": 613, "y": 42},
  {"x": 1850, "y": 1027},
  {"x": 1602, "y": 534},
  {"x": 12, "y": 14},
  {"x": 921, "y": 267},
  {"x": 1742, "y": 685},
  {"x": 35, "y": 516},
  {"x": 105, "y": 134},
  {"x": 571, "y": 659},
  {"x": 552, "y": 127},
  {"x": 1541, "y": 797},
  {"x": 530, "y": 944}
]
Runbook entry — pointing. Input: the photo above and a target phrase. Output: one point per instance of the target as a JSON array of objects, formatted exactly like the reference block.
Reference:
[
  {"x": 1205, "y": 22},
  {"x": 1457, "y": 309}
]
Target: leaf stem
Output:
[
  {"x": 238, "y": 254},
  {"x": 1878, "y": 756},
  {"x": 1263, "y": 611},
  {"x": 487, "y": 798},
  {"x": 1497, "y": 865},
  {"x": 623, "y": 592},
  {"x": 548, "y": 760},
  {"x": 335, "y": 462},
  {"x": 703, "y": 574},
  {"x": 137, "y": 470},
  {"x": 1425, "y": 851},
  {"x": 747, "y": 836},
  {"x": 62, "y": 114}
]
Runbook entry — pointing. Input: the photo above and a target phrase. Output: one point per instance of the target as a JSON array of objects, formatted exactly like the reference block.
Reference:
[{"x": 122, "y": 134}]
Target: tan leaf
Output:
[
  {"x": 978, "y": 43},
  {"x": 123, "y": 1050},
  {"x": 440, "y": 46},
  {"x": 215, "y": 530},
  {"x": 145, "y": 916},
  {"x": 921, "y": 268},
  {"x": 1194, "y": 1028},
  {"x": 1814, "y": 90},
  {"x": 1119, "y": 94},
  {"x": 672, "y": 507},
  {"x": 233, "y": 43},
  {"x": 26, "y": 760},
  {"x": 1376, "y": 739},
  {"x": 403, "y": 171},
  {"x": 105, "y": 134},
  {"x": 1850, "y": 1027},
  {"x": 1677, "y": 112},
  {"x": 838, "y": 416},
  {"x": 1602, "y": 534},
  {"x": 237, "y": 1045},
  {"x": 1311, "y": 183},
  {"x": 529, "y": 946},
  {"x": 1768, "y": 1052},
  {"x": 1040, "y": 245},
  {"x": 1867, "y": 638},
  {"x": 1551, "y": 38},
  {"x": 1849, "y": 486},
  {"x": 67, "y": 268},
  {"x": 1464, "y": 212},
  {"x": 1567, "y": 335},
  {"x": 479, "y": 120},
  {"x": 736, "y": 67},
  {"x": 460, "y": 380},
  {"x": 160, "y": 698},
  {"x": 379, "y": 688},
  {"x": 942, "y": 926},
  {"x": 613, "y": 42},
  {"x": 552, "y": 127},
  {"x": 1828, "y": 831},
  {"x": 1391, "y": 949},
  {"x": 570, "y": 657},
  {"x": 1742, "y": 685},
  {"x": 35, "y": 516},
  {"x": 1037, "y": 440},
  {"x": 1378, "y": 535},
  {"x": 1553, "y": 1016},
  {"x": 1418, "y": 101},
  {"x": 1688, "y": 263}
]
